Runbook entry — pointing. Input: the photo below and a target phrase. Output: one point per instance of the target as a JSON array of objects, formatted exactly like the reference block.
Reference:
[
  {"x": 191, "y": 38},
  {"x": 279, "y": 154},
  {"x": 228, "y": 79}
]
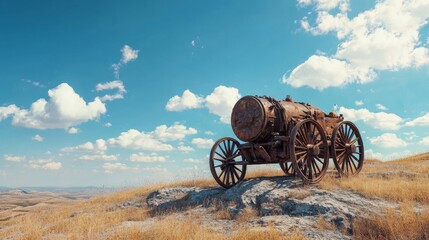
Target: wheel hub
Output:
[
  {"x": 313, "y": 149},
  {"x": 350, "y": 148}
]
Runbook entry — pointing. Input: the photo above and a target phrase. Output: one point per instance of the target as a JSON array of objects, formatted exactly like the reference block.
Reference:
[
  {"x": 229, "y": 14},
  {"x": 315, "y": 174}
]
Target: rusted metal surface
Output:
[{"x": 298, "y": 136}]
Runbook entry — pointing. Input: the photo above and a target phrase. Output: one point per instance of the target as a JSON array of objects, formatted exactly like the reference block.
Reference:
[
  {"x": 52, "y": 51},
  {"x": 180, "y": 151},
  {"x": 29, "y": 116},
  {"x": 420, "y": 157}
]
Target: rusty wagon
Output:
[{"x": 298, "y": 136}]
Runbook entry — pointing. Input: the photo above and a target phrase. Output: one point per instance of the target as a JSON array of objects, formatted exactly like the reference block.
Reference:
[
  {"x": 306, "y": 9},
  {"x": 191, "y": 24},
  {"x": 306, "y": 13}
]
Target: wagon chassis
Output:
[{"x": 304, "y": 153}]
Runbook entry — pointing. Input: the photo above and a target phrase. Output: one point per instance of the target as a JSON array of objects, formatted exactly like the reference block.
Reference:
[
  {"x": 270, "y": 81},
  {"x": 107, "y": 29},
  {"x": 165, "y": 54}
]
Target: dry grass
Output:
[{"x": 406, "y": 224}]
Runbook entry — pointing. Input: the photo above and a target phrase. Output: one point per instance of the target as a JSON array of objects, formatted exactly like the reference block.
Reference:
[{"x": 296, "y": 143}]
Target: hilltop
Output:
[{"x": 388, "y": 200}]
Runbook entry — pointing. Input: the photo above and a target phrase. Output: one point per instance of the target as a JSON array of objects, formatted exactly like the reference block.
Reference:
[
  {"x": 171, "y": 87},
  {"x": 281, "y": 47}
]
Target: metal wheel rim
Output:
[
  {"x": 309, "y": 166},
  {"x": 223, "y": 155},
  {"x": 347, "y": 162},
  {"x": 287, "y": 168}
]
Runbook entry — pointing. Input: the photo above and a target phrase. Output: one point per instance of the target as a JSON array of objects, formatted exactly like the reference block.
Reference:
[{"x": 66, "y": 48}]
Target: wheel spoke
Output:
[
  {"x": 217, "y": 159},
  {"x": 225, "y": 149},
  {"x": 220, "y": 155},
  {"x": 235, "y": 173},
  {"x": 237, "y": 169}
]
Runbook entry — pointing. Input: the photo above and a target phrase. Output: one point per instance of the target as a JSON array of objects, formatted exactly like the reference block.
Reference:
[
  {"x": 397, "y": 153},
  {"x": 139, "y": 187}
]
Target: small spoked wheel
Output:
[
  {"x": 309, "y": 151},
  {"x": 287, "y": 168},
  {"x": 347, "y": 149},
  {"x": 224, "y": 155}
]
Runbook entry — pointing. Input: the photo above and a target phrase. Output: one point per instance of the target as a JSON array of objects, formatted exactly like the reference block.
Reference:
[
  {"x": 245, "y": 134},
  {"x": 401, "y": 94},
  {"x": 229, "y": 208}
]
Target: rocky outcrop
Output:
[{"x": 284, "y": 201}]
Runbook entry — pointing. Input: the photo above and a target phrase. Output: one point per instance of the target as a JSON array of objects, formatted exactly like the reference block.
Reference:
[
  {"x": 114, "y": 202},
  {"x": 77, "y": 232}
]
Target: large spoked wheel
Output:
[
  {"x": 347, "y": 149},
  {"x": 309, "y": 151},
  {"x": 287, "y": 168},
  {"x": 223, "y": 157}
]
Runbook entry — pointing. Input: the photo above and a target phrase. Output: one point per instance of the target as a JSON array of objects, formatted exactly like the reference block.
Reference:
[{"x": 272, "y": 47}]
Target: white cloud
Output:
[
  {"x": 209, "y": 133},
  {"x": 424, "y": 141},
  {"x": 326, "y": 5},
  {"x": 117, "y": 84},
  {"x": 98, "y": 156},
  {"x": 185, "y": 149},
  {"x": 188, "y": 100},
  {"x": 128, "y": 54},
  {"x": 13, "y": 158},
  {"x": 379, "y": 120},
  {"x": 88, "y": 146},
  {"x": 38, "y": 138},
  {"x": 112, "y": 167},
  {"x": 420, "y": 121},
  {"x": 385, "y": 37},
  {"x": 203, "y": 142},
  {"x": 172, "y": 133},
  {"x": 155, "y": 169},
  {"x": 330, "y": 72},
  {"x": 34, "y": 83},
  {"x": 64, "y": 109},
  {"x": 140, "y": 157},
  {"x": 192, "y": 160},
  {"x": 193, "y": 43},
  {"x": 221, "y": 101},
  {"x": 108, "y": 124},
  {"x": 8, "y": 111},
  {"x": 45, "y": 164},
  {"x": 358, "y": 102},
  {"x": 134, "y": 139},
  {"x": 380, "y": 107},
  {"x": 73, "y": 130},
  {"x": 388, "y": 140},
  {"x": 374, "y": 155}
]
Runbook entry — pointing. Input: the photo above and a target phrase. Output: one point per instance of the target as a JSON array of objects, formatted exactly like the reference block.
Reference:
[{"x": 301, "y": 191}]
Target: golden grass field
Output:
[{"x": 405, "y": 181}]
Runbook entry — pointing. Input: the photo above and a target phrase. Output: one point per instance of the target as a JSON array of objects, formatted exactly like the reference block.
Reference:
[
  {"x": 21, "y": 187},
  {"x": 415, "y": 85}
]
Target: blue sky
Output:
[{"x": 129, "y": 93}]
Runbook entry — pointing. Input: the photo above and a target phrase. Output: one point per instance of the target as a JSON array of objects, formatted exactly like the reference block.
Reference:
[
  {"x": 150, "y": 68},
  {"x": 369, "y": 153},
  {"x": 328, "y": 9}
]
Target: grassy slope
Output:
[{"x": 404, "y": 180}]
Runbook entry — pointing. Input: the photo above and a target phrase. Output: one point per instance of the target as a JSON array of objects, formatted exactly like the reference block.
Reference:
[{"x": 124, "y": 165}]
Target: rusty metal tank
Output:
[{"x": 255, "y": 119}]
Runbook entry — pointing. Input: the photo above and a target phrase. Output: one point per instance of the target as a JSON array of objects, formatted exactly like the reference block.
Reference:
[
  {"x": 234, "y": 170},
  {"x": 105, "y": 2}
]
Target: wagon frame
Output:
[{"x": 305, "y": 152}]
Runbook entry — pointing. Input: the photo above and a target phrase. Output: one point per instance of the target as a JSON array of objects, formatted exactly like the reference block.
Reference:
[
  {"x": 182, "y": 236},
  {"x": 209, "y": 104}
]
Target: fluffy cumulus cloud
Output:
[
  {"x": 371, "y": 154},
  {"x": 385, "y": 37},
  {"x": 420, "y": 121},
  {"x": 378, "y": 120},
  {"x": 64, "y": 109},
  {"x": 388, "y": 140},
  {"x": 134, "y": 139},
  {"x": 113, "y": 167},
  {"x": 141, "y": 157},
  {"x": 73, "y": 130},
  {"x": 13, "y": 158},
  {"x": 203, "y": 142},
  {"x": 8, "y": 111},
  {"x": 155, "y": 169},
  {"x": 188, "y": 100},
  {"x": 38, "y": 138},
  {"x": 220, "y": 102},
  {"x": 172, "y": 133},
  {"x": 153, "y": 141},
  {"x": 113, "y": 85},
  {"x": 45, "y": 164},
  {"x": 424, "y": 141},
  {"x": 185, "y": 149},
  {"x": 99, "y": 146}
]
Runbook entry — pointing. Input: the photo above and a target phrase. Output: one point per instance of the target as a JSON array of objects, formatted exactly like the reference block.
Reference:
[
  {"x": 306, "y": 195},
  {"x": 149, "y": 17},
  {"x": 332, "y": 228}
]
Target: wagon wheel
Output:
[
  {"x": 287, "y": 168},
  {"x": 309, "y": 151},
  {"x": 347, "y": 149},
  {"x": 223, "y": 157}
]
